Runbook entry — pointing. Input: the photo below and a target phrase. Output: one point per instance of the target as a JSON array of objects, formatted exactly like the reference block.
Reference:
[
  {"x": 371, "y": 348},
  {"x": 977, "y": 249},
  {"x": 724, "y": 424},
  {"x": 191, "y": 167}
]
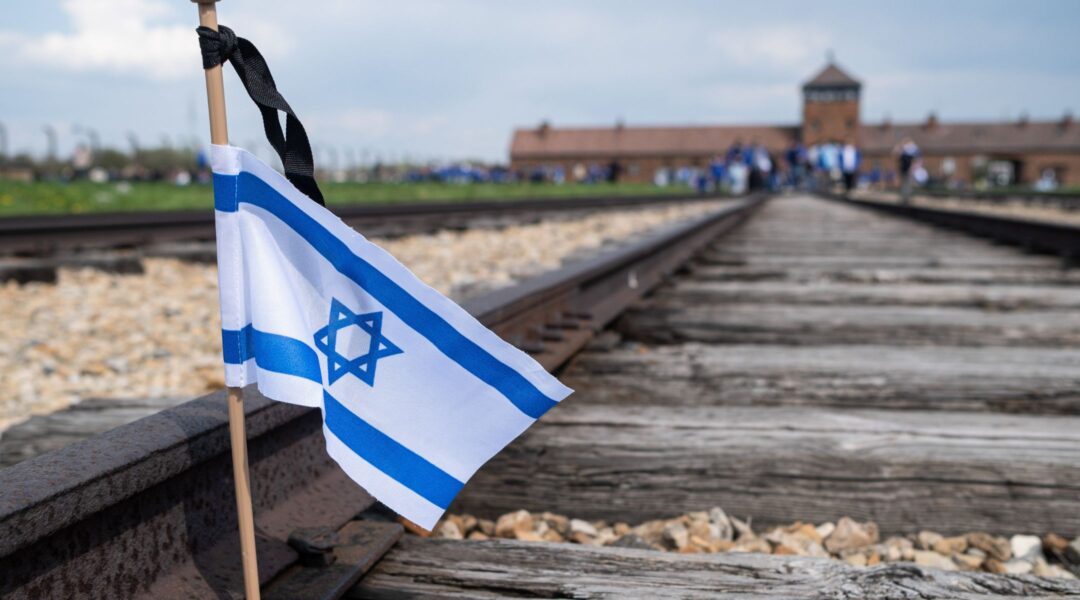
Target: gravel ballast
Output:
[
  {"x": 856, "y": 543},
  {"x": 95, "y": 334}
]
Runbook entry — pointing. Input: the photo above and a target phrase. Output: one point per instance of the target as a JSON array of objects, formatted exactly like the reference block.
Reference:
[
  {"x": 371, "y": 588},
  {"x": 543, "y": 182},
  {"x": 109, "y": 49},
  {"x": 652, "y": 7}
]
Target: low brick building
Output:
[{"x": 1015, "y": 152}]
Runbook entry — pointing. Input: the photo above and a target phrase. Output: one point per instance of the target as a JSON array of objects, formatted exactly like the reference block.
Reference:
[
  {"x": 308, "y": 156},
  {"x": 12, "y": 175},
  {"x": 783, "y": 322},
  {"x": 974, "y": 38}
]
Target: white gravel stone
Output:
[
  {"x": 1018, "y": 567},
  {"x": 96, "y": 334},
  {"x": 928, "y": 558},
  {"x": 825, "y": 529},
  {"x": 1026, "y": 547},
  {"x": 581, "y": 526},
  {"x": 694, "y": 532}
]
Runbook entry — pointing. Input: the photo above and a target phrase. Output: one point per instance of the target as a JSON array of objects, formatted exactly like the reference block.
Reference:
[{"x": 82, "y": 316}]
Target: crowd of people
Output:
[
  {"x": 742, "y": 168},
  {"x": 752, "y": 167}
]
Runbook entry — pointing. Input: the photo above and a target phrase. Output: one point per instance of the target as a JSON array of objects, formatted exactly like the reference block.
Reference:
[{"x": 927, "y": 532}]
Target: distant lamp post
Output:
[
  {"x": 92, "y": 138},
  {"x": 51, "y": 143},
  {"x": 350, "y": 163},
  {"x": 136, "y": 164},
  {"x": 3, "y": 142},
  {"x": 95, "y": 139},
  {"x": 335, "y": 166},
  {"x": 49, "y": 169},
  {"x": 324, "y": 155},
  {"x": 133, "y": 141}
]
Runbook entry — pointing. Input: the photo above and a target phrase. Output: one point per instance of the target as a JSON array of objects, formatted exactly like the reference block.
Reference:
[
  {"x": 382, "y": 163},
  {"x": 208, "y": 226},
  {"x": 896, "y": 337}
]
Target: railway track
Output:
[
  {"x": 1059, "y": 200},
  {"x": 1035, "y": 235},
  {"x": 819, "y": 360},
  {"x": 50, "y": 234},
  {"x": 142, "y": 510}
]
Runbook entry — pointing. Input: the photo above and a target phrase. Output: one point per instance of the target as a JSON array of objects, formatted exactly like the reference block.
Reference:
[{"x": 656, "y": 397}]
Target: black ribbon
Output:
[{"x": 291, "y": 145}]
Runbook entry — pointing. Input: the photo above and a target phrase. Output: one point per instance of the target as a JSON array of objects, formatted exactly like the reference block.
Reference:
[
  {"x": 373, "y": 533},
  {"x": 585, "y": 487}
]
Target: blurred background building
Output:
[{"x": 958, "y": 153}]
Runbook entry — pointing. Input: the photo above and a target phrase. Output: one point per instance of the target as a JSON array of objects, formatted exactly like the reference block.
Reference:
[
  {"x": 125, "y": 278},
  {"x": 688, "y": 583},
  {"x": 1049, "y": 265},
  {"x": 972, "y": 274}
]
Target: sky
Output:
[{"x": 451, "y": 79}]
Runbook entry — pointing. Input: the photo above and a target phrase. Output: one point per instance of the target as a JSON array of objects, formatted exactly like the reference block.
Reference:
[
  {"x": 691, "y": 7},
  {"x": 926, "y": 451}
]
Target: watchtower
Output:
[{"x": 830, "y": 106}]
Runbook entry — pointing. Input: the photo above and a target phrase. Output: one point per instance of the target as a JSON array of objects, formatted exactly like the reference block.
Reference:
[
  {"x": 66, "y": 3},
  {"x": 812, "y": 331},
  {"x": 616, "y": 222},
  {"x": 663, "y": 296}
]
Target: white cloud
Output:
[
  {"x": 122, "y": 37},
  {"x": 127, "y": 37},
  {"x": 454, "y": 78}
]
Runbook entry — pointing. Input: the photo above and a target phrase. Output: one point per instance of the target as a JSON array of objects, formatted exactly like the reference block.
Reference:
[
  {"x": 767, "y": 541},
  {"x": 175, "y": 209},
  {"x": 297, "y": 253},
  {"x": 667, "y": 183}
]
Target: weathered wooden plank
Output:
[
  {"x": 667, "y": 320},
  {"x": 950, "y": 472},
  {"x": 510, "y": 569},
  {"x": 802, "y": 239},
  {"x": 996, "y": 298},
  {"x": 654, "y": 432},
  {"x": 813, "y": 221},
  {"x": 805, "y": 215},
  {"x": 751, "y": 242},
  {"x": 804, "y": 231},
  {"x": 820, "y": 274},
  {"x": 1024, "y": 380},
  {"x": 854, "y": 259},
  {"x": 963, "y": 250}
]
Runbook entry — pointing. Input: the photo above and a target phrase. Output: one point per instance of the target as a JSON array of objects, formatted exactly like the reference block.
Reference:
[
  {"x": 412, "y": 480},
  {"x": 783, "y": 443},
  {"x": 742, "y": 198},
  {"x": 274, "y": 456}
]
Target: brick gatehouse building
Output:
[{"x": 1018, "y": 152}]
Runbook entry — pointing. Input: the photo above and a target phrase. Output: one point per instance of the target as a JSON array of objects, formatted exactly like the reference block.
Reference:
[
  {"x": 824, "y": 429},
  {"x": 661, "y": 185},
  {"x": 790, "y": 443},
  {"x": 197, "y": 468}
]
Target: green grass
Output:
[{"x": 18, "y": 198}]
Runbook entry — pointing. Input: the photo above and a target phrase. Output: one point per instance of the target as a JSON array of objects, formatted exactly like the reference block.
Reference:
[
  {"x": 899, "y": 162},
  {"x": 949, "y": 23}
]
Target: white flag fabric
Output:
[{"x": 415, "y": 393}]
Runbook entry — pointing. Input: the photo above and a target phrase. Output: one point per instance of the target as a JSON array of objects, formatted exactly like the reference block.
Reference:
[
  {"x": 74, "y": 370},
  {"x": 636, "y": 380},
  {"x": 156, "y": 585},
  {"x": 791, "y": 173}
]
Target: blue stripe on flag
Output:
[
  {"x": 459, "y": 348},
  {"x": 272, "y": 352},
  {"x": 225, "y": 193},
  {"x": 382, "y": 452}
]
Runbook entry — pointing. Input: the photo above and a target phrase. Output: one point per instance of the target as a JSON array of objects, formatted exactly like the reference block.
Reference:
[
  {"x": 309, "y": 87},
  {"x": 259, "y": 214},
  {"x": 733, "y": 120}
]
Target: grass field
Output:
[{"x": 84, "y": 197}]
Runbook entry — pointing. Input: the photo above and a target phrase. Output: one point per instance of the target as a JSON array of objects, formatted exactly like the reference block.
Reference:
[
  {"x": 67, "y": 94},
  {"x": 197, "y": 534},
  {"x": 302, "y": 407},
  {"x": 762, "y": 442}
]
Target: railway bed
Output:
[
  {"x": 49, "y": 235},
  {"x": 1055, "y": 199},
  {"x": 785, "y": 399},
  {"x": 819, "y": 360},
  {"x": 35, "y": 248}
]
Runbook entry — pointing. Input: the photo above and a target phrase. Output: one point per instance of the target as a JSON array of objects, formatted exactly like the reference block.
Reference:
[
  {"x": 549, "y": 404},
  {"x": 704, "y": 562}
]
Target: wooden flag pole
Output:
[
  {"x": 215, "y": 83},
  {"x": 244, "y": 514},
  {"x": 219, "y": 135}
]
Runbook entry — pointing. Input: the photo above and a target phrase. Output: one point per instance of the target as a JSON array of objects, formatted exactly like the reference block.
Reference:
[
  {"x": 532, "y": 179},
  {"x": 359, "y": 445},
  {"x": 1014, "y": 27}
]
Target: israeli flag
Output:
[{"x": 415, "y": 394}]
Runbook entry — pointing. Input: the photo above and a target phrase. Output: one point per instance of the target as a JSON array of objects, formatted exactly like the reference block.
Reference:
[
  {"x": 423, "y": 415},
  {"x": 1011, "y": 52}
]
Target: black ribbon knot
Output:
[{"x": 292, "y": 145}]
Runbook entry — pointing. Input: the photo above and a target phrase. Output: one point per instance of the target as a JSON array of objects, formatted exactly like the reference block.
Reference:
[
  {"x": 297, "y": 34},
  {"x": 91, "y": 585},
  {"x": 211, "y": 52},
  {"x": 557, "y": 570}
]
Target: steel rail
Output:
[
  {"x": 1036, "y": 236},
  {"x": 1062, "y": 200},
  {"x": 43, "y": 234},
  {"x": 145, "y": 510}
]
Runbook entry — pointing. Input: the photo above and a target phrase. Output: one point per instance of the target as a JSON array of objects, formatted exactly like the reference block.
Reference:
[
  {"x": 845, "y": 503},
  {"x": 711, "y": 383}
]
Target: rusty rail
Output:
[
  {"x": 1036, "y": 236},
  {"x": 1060, "y": 200},
  {"x": 145, "y": 510}
]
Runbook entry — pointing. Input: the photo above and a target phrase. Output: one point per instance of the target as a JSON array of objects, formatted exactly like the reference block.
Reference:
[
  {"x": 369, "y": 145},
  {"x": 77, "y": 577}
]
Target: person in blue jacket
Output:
[{"x": 850, "y": 158}]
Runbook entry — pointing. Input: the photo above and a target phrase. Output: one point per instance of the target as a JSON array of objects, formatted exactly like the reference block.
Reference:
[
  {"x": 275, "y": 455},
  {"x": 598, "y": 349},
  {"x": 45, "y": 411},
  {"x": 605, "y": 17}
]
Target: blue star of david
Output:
[{"x": 363, "y": 366}]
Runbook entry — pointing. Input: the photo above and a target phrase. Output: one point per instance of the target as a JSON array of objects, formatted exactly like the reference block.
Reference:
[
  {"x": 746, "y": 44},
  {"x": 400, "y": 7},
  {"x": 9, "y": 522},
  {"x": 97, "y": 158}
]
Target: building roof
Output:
[
  {"x": 832, "y": 76},
  {"x": 986, "y": 137},
  {"x": 876, "y": 138},
  {"x": 548, "y": 142}
]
